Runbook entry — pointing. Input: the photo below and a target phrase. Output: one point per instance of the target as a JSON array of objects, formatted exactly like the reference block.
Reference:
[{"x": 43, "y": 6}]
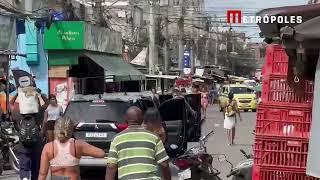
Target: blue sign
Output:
[
  {"x": 187, "y": 59},
  {"x": 57, "y": 16}
]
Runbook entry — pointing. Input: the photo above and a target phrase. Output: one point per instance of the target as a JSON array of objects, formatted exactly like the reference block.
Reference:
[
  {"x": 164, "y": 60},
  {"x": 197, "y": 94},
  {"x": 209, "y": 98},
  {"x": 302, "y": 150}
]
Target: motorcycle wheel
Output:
[{"x": 14, "y": 164}]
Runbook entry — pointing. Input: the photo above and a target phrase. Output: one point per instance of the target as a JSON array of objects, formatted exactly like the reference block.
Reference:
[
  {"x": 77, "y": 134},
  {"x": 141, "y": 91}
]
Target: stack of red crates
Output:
[{"x": 283, "y": 123}]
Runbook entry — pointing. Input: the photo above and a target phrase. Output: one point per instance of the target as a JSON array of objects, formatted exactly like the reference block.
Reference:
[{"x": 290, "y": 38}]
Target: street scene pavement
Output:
[{"x": 217, "y": 144}]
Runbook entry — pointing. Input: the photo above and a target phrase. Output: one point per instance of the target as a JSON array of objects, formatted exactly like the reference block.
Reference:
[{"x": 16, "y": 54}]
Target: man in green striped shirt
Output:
[{"x": 136, "y": 153}]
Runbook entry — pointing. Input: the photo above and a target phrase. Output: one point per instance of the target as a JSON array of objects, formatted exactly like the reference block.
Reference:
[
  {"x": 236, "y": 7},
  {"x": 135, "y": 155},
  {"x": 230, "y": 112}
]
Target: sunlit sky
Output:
[{"x": 248, "y": 7}]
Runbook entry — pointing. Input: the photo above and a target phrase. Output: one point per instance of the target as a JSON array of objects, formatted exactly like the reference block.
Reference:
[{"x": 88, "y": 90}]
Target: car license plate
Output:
[
  {"x": 96, "y": 135},
  {"x": 186, "y": 174}
]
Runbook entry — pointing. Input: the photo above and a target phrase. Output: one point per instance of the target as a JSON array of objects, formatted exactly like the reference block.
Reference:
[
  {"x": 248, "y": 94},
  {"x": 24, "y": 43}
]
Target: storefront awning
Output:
[
  {"x": 270, "y": 30},
  {"x": 115, "y": 68}
]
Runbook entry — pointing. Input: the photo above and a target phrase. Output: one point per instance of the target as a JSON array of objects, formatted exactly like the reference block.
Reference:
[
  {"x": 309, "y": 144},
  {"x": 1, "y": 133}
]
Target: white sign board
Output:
[{"x": 199, "y": 72}]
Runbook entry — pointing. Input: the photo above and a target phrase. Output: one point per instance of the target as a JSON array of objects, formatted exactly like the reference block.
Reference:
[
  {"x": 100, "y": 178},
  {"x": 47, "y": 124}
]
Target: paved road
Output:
[{"x": 217, "y": 144}]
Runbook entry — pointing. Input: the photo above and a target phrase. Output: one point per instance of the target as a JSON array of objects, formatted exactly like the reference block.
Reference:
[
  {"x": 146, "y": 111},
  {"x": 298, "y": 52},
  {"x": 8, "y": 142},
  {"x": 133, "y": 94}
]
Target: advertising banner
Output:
[{"x": 64, "y": 90}]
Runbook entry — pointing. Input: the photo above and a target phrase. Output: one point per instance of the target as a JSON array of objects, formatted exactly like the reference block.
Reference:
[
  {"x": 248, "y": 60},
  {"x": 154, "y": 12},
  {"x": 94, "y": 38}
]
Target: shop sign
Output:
[
  {"x": 187, "y": 58},
  {"x": 65, "y": 35}
]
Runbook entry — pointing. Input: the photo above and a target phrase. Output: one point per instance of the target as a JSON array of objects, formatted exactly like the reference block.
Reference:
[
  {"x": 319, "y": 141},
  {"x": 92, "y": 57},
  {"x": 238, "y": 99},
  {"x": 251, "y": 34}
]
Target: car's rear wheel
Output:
[
  {"x": 246, "y": 110},
  {"x": 254, "y": 110}
]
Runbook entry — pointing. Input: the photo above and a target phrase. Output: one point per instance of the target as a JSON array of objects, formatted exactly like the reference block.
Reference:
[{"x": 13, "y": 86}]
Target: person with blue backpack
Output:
[{"x": 30, "y": 140}]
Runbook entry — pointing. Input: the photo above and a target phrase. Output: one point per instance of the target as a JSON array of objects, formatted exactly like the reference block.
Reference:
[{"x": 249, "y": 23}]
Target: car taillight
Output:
[
  {"x": 121, "y": 126},
  {"x": 182, "y": 164}
]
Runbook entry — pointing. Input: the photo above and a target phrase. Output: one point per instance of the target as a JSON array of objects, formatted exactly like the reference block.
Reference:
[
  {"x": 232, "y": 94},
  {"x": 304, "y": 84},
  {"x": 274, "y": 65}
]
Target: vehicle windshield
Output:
[
  {"x": 251, "y": 83},
  {"x": 241, "y": 90},
  {"x": 111, "y": 111}
]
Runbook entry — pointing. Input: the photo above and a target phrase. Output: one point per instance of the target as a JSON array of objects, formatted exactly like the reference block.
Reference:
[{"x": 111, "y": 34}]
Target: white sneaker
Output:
[{"x": 25, "y": 179}]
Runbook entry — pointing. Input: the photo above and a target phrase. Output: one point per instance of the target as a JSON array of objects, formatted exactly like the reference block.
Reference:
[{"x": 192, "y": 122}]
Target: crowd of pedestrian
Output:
[
  {"x": 47, "y": 149},
  {"x": 139, "y": 157},
  {"x": 135, "y": 153}
]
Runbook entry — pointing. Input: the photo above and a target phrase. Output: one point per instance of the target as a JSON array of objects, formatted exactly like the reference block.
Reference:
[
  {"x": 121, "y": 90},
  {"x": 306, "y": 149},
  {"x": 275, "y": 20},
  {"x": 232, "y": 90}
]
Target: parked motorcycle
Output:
[
  {"x": 9, "y": 140},
  {"x": 196, "y": 163},
  {"x": 243, "y": 170}
]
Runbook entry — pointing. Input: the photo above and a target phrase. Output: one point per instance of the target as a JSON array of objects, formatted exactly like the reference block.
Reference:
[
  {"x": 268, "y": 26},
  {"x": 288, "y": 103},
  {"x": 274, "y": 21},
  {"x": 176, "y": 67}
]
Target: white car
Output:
[{"x": 250, "y": 83}]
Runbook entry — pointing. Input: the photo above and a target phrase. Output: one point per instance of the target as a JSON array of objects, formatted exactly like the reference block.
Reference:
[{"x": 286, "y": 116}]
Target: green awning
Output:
[{"x": 115, "y": 68}]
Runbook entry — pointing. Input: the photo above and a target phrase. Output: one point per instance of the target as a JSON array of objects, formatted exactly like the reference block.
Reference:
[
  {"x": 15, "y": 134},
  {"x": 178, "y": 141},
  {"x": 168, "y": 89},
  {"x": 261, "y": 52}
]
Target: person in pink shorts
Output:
[{"x": 204, "y": 101}]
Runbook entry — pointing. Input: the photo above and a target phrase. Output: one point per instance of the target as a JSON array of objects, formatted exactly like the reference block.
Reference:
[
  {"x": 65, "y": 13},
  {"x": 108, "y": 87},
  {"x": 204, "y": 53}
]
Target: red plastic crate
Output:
[
  {"x": 283, "y": 121},
  {"x": 276, "y": 61},
  {"x": 278, "y": 152},
  {"x": 275, "y": 89},
  {"x": 279, "y": 174}
]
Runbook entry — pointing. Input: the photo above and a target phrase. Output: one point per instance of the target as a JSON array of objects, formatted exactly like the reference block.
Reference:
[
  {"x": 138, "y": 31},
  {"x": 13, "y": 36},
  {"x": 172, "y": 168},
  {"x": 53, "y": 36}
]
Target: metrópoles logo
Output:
[{"x": 236, "y": 16}]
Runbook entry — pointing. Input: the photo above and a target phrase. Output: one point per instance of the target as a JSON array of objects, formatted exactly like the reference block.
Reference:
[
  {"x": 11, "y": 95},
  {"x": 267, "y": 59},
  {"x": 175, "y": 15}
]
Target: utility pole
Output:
[
  {"x": 181, "y": 36},
  {"x": 166, "y": 42},
  {"x": 208, "y": 39},
  {"x": 165, "y": 46},
  {"x": 233, "y": 41},
  {"x": 152, "y": 44},
  {"x": 192, "y": 55},
  {"x": 206, "y": 55},
  {"x": 216, "y": 50},
  {"x": 217, "y": 43}
]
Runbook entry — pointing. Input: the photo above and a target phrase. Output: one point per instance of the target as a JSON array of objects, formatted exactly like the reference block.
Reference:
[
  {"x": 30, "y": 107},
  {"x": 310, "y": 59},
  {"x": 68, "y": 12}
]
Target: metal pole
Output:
[
  {"x": 165, "y": 47},
  {"x": 152, "y": 39}
]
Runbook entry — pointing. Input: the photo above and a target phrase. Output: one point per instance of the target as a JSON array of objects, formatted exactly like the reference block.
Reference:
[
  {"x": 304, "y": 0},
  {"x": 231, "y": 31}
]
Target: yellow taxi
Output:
[{"x": 245, "y": 97}]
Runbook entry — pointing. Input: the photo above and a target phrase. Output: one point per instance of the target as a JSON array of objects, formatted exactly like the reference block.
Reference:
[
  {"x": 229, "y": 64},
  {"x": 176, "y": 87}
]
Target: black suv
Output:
[{"x": 99, "y": 118}]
